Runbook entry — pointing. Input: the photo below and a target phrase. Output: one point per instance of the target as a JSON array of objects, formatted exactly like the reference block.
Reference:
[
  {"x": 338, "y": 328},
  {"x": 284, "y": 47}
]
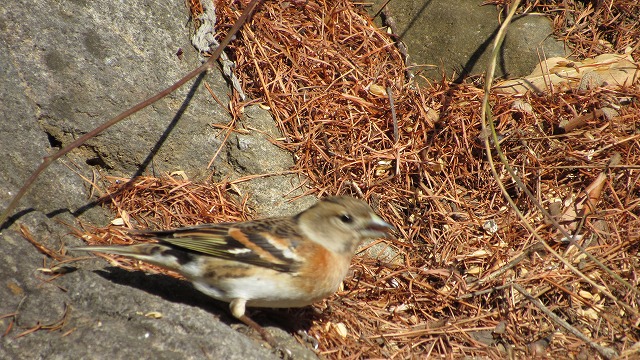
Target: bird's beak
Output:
[{"x": 378, "y": 228}]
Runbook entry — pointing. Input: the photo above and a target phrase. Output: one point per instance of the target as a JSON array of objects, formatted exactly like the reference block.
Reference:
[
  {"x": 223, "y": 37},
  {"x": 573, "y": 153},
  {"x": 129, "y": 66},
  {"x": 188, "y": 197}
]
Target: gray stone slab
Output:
[{"x": 456, "y": 38}]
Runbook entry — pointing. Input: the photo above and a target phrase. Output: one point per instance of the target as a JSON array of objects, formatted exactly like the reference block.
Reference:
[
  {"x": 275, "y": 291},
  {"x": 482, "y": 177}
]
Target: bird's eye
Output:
[{"x": 346, "y": 218}]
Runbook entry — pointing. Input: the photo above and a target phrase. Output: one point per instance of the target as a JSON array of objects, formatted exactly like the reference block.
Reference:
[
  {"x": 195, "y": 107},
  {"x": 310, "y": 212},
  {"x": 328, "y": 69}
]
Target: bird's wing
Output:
[{"x": 269, "y": 243}]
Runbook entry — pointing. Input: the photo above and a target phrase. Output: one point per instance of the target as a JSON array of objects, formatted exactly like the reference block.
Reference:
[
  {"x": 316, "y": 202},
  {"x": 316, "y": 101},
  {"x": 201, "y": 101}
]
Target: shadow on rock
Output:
[{"x": 181, "y": 291}]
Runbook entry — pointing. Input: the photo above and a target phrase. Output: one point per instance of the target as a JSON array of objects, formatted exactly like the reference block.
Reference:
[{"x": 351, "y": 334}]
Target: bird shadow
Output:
[{"x": 182, "y": 292}]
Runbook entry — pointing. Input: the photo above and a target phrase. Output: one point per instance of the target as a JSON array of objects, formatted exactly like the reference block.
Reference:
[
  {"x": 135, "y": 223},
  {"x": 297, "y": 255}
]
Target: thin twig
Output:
[
  {"x": 81, "y": 140},
  {"x": 608, "y": 353}
]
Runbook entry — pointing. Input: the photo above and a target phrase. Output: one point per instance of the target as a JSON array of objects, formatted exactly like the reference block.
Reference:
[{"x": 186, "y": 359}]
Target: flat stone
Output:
[{"x": 457, "y": 37}]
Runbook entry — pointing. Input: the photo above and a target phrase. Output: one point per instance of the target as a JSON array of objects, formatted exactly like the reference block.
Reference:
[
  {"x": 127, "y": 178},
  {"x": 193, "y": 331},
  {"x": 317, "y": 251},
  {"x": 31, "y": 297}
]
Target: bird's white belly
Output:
[{"x": 259, "y": 291}]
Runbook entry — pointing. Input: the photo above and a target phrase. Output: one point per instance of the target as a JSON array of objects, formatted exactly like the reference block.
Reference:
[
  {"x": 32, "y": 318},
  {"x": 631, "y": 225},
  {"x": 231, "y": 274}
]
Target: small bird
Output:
[{"x": 274, "y": 262}]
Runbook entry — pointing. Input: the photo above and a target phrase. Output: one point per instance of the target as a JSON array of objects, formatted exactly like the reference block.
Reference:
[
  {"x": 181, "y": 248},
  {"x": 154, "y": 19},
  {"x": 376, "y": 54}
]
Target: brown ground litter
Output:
[{"x": 325, "y": 72}]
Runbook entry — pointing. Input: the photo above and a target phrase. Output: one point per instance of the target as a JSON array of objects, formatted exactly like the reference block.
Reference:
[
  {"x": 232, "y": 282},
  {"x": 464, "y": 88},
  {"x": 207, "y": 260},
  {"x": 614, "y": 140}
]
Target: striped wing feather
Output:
[{"x": 266, "y": 243}]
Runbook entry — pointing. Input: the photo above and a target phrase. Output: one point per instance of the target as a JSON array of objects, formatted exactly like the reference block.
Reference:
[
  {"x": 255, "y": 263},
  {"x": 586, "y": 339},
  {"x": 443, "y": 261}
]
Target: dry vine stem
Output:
[
  {"x": 486, "y": 116},
  {"x": 81, "y": 140}
]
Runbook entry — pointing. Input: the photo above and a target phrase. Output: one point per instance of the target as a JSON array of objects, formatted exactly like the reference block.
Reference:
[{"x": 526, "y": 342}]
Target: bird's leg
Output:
[
  {"x": 238, "y": 307},
  {"x": 262, "y": 331}
]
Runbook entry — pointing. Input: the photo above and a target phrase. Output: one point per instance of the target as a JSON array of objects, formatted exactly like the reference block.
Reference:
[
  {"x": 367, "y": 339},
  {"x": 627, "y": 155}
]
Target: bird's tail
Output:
[
  {"x": 153, "y": 253},
  {"x": 134, "y": 251}
]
